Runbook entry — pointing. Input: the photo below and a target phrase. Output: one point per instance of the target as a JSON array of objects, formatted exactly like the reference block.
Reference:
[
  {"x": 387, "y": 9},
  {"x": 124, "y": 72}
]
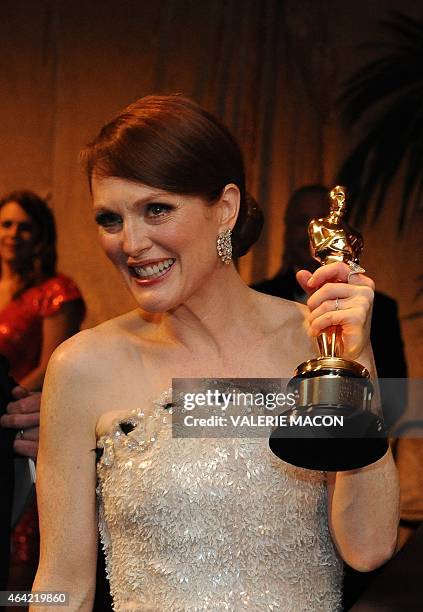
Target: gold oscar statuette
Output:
[{"x": 328, "y": 388}]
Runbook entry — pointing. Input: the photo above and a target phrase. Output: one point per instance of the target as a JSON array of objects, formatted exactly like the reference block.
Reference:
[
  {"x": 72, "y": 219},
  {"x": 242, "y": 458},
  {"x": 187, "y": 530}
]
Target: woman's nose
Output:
[
  {"x": 14, "y": 230},
  {"x": 135, "y": 238}
]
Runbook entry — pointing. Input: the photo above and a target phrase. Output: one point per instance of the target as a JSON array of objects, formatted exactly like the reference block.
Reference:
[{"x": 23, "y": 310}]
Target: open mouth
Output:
[{"x": 152, "y": 271}]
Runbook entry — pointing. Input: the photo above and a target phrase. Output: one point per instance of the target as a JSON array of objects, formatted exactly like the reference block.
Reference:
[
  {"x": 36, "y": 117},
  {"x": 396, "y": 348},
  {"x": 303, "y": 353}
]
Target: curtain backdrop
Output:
[{"x": 270, "y": 69}]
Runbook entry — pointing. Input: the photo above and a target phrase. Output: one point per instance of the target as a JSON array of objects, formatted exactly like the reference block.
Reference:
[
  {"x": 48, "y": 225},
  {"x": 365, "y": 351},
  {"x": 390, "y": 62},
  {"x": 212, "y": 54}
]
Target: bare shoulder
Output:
[
  {"x": 83, "y": 376},
  {"x": 287, "y": 312},
  {"x": 287, "y": 323},
  {"x": 107, "y": 340}
]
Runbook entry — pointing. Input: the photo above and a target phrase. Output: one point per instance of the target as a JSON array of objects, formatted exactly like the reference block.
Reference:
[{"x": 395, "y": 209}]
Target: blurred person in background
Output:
[
  {"x": 19, "y": 411},
  {"x": 39, "y": 309}
]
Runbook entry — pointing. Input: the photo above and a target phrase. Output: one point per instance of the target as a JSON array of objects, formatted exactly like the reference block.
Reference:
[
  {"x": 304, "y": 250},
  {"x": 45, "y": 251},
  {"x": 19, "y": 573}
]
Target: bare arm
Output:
[
  {"x": 56, "y": 329},
  {"x": 364, "y": 513},
  {"x": 363, "y": 503},
  {"x": 364, "y": 506},
  {"x": 66, "y": 478}
]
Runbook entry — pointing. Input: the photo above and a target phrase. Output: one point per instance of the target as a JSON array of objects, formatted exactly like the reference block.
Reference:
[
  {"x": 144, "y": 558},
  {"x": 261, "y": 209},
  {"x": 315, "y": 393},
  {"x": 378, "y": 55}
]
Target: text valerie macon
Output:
[
  {"x": 197, "y": 408},
  {"x": 265, "y": 420}
]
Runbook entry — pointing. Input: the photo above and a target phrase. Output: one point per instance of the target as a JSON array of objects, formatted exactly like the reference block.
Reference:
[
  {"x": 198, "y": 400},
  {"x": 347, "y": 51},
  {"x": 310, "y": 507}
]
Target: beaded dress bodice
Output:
[{"x": 211, "y": 523}]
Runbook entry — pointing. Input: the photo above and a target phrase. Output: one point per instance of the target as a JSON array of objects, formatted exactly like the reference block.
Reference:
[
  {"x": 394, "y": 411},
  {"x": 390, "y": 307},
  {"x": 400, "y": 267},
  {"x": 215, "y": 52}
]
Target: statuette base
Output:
[{"x": 337, "y": 393}]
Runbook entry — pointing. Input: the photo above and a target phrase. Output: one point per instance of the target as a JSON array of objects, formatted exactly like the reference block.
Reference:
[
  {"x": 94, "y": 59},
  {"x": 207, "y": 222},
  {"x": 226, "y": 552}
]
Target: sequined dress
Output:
[
  {"x": 210, "y": 523},
  {"x": 22, "y": 319}
]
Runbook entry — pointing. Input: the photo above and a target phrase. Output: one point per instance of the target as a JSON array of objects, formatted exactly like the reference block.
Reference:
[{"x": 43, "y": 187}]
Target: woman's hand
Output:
[
  {"x": 355, "y": 298},
  {"x": 24, "y": 414}
]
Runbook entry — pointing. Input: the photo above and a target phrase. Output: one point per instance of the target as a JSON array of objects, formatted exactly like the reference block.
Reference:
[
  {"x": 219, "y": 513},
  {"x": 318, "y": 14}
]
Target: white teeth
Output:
[{"x": 153, "y": 270}]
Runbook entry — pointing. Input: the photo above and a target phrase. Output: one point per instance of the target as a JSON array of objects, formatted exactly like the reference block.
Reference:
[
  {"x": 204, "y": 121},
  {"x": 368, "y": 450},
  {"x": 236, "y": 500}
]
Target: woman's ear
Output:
[{"x": 229, "y": 203}]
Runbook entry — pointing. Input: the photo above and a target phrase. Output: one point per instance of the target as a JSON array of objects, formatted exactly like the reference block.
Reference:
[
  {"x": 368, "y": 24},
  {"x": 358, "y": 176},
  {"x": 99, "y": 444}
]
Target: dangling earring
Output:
[{"x": 224, "y": 246}]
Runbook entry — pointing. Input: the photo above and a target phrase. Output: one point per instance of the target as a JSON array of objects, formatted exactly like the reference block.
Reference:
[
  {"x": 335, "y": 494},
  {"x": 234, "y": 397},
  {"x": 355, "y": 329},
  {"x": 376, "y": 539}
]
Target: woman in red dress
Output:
[{"x": 39, "y": 309}]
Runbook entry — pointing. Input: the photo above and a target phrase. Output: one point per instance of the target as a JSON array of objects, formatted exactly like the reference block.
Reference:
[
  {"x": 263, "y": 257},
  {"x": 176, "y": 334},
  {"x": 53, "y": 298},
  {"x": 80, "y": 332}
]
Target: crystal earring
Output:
[{"x": 224, "y": 246}]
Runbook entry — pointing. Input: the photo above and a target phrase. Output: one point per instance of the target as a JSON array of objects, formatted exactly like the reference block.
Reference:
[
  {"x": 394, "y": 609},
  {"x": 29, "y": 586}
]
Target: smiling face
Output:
[
  {"x": 163, "y": 244},
  {"x": 17, "y": 233}
]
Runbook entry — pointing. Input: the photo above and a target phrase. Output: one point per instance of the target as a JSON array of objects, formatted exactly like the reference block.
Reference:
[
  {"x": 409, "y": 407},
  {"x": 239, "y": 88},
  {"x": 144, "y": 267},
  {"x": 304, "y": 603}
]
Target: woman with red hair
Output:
[{"x": 194, "y": 523}]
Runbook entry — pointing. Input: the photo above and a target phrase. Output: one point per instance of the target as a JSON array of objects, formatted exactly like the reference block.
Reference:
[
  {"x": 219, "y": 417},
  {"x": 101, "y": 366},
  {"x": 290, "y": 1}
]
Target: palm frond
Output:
[
  {"x": 387, "y": 94},
  {"x": 377, "y": 81},
  {"x": 404, "y": 27}
]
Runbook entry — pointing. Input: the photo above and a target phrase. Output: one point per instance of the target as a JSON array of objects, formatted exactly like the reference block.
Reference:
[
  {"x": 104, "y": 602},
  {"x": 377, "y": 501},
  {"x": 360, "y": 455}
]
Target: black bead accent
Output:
[
  {"x": 126, "y": 427},
  {"x": 98, "y": 454}
]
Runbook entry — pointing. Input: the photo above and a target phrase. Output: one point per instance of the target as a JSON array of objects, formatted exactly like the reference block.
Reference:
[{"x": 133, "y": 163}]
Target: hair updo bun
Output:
[
  {"x": 247, "y": 227},
  {"x": 172, "y": 143}
]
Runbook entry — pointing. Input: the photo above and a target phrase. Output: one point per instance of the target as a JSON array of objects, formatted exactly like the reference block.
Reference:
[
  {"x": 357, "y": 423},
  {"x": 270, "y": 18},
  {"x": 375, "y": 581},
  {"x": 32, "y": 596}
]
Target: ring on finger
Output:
[
  {"x": 337, "y": 304},
  {"x": 20, "y": 434},
  {"x": 354, "y": 269}
]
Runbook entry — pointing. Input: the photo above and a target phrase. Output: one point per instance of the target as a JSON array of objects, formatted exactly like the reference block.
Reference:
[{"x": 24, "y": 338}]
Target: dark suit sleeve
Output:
[
  {"x": 388, "y": 350},
  {"x": 6, "y": 472},
  {"x": 388, "y": 347}
]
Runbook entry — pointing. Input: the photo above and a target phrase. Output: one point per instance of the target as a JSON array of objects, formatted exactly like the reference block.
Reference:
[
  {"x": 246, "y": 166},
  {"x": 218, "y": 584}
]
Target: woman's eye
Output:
[
  {"x": 157, "y": 210},
  {"x": 25, "y": 227},
  {"x": 6, "y": 224},
  {"x": 108, "y": 219}
]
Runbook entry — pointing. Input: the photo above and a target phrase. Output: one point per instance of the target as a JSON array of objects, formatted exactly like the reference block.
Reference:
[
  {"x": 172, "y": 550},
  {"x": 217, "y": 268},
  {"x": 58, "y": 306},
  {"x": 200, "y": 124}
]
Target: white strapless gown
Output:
[{"x": 211, "y": 524}]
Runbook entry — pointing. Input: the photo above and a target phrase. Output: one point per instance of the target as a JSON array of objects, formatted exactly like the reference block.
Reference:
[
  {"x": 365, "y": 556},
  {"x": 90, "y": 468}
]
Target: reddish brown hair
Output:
[{"x": 172, "y": 143}]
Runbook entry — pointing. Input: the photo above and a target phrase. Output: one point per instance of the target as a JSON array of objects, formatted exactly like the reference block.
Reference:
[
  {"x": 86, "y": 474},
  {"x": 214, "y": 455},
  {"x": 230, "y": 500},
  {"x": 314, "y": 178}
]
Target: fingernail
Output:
[{"x": 310, "y": 282}]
